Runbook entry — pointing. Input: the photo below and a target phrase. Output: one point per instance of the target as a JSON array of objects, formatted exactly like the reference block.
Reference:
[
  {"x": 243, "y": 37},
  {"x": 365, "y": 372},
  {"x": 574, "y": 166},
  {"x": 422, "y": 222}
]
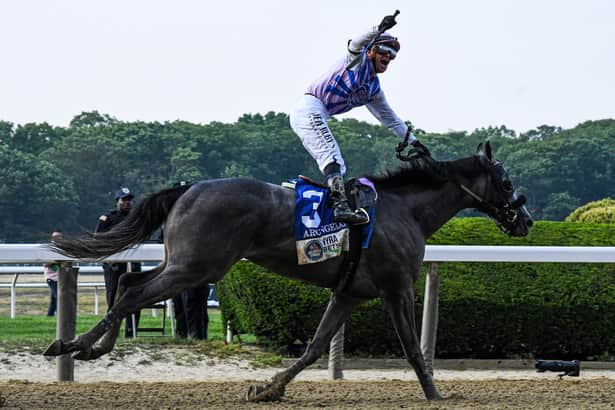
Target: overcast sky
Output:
[{"x": 463, "y": 64}]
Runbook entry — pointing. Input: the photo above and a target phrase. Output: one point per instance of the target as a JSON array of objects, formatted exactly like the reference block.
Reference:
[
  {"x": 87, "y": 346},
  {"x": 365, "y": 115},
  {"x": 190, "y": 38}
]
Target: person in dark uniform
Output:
[
  {"x": 113, "y": 271},
  {"x": 190, "y": 306},
  {"x": 191, "y": 316},
  {"x": 50, "y": 273}
]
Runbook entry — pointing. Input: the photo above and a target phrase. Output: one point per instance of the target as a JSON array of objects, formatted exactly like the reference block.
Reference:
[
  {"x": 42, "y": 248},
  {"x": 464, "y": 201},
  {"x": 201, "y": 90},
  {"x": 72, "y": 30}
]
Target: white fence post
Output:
[
  {"x": 229, "y": 332},
  {"x": 429, "y": 326},
  {"x": 96, "y": 300},
  {"x": 171, "y": 315},
  {"x": 13, "y": 295}
]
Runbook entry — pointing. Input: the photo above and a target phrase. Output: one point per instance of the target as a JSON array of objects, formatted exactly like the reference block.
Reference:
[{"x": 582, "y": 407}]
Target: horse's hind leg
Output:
[
  {"x": 84, "y": 344},
  {"x": 339, "y": 309},
  {"x": 167, "y": 284},
  {"x": 108, "y": 340},
  {"x": 401, "y": 310}
]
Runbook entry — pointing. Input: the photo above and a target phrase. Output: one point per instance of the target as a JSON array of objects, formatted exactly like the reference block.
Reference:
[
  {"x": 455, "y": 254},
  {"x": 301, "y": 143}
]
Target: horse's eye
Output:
[{"x": 507, "y": 185}]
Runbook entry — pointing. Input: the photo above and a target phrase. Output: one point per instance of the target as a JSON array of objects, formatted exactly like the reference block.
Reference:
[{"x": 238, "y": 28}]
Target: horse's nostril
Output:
[{"x": 529, "y": 222}]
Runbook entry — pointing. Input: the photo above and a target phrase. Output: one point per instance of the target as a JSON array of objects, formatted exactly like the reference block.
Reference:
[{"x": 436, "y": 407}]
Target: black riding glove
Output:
[
  {"x": 387, "y": 23},
  {"x": 420, "y": 148}
]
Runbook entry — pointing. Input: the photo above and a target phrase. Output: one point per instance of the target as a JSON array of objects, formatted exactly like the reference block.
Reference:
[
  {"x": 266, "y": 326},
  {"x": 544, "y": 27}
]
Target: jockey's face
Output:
[{"x": 380, "y": 60}]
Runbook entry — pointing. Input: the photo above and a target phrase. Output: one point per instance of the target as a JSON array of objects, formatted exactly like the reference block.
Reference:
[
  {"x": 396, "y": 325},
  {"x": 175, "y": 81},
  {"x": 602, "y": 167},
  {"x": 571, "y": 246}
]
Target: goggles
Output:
[{"x": 385, "y": 49}]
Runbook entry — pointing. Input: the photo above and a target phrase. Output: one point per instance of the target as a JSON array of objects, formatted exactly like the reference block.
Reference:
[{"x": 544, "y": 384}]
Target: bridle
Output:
[{"x": 504, "y": 214}]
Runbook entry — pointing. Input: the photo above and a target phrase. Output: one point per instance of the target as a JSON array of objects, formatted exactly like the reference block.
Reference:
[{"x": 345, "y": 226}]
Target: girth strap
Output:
[
  {"x": 349, "y": 265},
  {"x": 360, "y": 197}
]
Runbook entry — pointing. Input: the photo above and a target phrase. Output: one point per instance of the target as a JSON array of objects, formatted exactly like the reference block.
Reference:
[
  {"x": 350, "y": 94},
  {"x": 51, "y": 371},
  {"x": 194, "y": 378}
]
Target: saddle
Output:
[
  {"x": 362, "y": 196},
  {"x": 360, "y": 192}
]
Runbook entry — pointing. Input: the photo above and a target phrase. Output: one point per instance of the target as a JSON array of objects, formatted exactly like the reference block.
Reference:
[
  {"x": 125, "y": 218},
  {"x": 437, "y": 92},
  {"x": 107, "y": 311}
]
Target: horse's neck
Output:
[{"x": 433, "y": 207}]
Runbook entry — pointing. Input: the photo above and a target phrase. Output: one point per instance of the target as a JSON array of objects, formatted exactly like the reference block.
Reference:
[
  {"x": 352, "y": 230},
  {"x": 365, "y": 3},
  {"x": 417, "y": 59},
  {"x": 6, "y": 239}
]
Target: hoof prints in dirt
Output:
[{"x": 546, "y": 394}]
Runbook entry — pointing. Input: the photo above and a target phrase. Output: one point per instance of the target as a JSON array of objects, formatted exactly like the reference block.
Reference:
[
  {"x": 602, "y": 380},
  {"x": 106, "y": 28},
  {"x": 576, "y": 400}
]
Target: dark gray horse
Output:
[{"x": 211, "y": 225}]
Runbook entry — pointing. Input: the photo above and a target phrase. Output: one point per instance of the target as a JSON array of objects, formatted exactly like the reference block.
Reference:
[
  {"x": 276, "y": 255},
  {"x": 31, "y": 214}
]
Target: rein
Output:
[
  {"x": 504, "y": 215},
  {"x": 508, "y": 212},
  {"x": 399, "y": 149}
]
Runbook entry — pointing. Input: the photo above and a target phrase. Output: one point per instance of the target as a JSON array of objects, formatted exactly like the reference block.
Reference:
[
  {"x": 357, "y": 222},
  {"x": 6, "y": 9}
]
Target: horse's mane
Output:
[{"x": 423, "y": 172}]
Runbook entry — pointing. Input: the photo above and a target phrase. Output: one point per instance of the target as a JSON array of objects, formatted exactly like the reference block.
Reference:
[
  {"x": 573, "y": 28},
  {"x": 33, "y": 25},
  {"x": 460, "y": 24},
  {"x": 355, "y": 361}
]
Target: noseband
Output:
[{"x": 504, "y": 215}]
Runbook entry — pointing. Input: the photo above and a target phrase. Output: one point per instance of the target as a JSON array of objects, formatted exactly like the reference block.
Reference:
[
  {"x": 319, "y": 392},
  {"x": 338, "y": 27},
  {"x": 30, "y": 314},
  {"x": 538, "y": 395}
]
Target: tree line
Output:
[{"x": 65, "y": 177}]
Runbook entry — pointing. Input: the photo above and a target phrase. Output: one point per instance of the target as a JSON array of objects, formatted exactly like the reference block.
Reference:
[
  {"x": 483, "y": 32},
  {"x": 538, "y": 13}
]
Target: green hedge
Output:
[
  {"x": 486, "y": 310},
  {"x": 602, "y": 211},
  {"x": 277, "y": 310}
]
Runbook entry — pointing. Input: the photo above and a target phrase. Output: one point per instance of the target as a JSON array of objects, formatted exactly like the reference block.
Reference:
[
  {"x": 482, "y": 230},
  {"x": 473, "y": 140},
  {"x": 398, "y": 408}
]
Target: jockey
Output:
[{"x": 350, "y": 83}]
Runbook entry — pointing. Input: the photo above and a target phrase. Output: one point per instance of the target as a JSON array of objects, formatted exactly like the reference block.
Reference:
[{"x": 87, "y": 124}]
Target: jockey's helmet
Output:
[{"x": 387, "y": 40}]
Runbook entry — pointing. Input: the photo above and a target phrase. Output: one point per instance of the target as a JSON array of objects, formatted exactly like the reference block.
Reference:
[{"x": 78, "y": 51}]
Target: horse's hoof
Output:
[
  {"x": 96, "y": 352},
  {"x": 267, "y": 393},
  {"x": 253, "y": 391},
  {"x": 56, "y": 348},
  {"x": 83, "y": 355}
]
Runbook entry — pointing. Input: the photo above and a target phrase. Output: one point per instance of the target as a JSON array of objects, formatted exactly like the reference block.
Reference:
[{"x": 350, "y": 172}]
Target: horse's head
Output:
[{"x": 497, "y": 198}]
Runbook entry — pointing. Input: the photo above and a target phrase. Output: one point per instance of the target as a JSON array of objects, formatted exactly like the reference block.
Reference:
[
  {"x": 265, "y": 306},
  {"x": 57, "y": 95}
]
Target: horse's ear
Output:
[
  {"x": 488, "y": 150},
  {"x": 479, "y": 149}
]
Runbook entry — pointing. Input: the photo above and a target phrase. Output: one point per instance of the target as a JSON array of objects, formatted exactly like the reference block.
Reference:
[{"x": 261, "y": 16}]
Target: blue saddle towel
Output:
[{"x": 318, "y": 237}]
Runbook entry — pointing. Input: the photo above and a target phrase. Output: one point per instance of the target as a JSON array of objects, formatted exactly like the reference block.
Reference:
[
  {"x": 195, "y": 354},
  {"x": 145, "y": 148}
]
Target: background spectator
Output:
[
  {"x": 191, "y": 318},
  {"x": 50, "y": 272},
  {"x": 113, "y": 271}
]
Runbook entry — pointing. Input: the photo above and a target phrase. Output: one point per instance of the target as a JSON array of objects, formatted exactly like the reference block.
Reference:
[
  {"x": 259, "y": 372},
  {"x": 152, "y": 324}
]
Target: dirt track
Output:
[{"x": 567, "y": 393}]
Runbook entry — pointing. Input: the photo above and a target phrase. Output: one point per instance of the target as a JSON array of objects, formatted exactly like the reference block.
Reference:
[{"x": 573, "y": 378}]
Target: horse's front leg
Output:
[
  {"x": 339, "y": 309},
  {"x": 401, "y": 310}
]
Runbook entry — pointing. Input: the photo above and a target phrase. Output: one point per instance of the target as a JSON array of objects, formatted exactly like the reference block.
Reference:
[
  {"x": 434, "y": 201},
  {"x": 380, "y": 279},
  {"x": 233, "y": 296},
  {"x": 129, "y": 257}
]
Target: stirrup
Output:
[
  {"x": 350, "y": 217},
  {"x": 364, "y": 213}
]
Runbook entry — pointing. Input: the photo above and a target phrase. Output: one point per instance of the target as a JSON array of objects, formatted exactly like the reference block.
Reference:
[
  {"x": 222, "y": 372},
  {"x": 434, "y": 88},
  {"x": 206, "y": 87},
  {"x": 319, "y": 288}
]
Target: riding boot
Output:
[{"x": 341, "y": 207}]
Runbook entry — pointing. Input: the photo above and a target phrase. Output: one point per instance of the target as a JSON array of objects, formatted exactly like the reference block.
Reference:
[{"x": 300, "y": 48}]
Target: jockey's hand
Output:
[
  {"x": 387, "y": 23},
  {"x": 420, "y": 148},
  {"x": 401, "y": 146}
]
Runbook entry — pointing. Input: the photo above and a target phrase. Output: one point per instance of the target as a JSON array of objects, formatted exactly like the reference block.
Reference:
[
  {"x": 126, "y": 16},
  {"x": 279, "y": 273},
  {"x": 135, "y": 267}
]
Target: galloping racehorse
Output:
[{"x": 212, "y": 224}]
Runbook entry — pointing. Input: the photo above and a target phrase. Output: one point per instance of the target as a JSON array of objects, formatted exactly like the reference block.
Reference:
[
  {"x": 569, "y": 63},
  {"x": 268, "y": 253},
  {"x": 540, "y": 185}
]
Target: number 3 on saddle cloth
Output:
[{"x": 317, "y": 236}]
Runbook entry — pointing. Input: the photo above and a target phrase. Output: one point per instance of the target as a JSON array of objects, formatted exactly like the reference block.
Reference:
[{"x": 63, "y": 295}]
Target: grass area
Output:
[
  {"x": 31, "y": 331},
  {"x": 34, "y": 301},
  {"x": 34, "y": 333}
]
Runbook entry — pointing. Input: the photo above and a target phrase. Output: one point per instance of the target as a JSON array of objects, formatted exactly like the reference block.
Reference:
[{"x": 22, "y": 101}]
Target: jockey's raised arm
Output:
[
  {"x": 380, "y": 108},
  {"x": 351, "y": 82},
  {"x": 358, "y": 43}
]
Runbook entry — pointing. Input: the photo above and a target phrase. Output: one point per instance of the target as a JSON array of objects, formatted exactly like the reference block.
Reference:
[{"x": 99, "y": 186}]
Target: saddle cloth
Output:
[{"x": 317, "y": 236}]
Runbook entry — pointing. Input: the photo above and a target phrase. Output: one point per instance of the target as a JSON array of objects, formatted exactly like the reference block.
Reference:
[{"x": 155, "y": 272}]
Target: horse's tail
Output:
[{"x": 136, "y": 228}]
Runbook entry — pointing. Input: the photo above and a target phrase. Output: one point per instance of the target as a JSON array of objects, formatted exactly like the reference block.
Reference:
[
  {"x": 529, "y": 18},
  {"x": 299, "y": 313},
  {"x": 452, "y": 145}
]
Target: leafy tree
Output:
[
  {"x": 185, "y": 164},
  {"x": 33, "y": 138},
  {"x": 91, "y": 119},
  {"x": 99, "y": 165},
  {"x": 559, "y": 204},
  {"x": 35, "y": 197},
  {"x": 6, "y": 132},
  {"x": 557, "y": 169},
  {"x": 542, "y": 132}
]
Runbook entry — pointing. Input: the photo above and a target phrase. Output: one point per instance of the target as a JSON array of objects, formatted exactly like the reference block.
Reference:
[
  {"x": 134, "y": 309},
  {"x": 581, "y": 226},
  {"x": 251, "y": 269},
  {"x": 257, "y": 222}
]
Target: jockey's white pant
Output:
[{"x": 309, "y": 121}]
